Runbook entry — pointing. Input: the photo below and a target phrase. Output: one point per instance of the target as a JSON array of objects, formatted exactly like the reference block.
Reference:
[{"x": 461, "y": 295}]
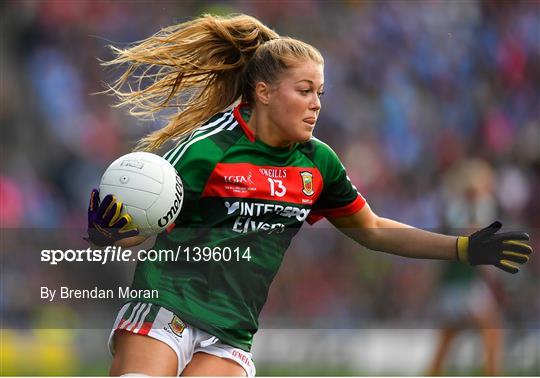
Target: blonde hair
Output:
[{"x": 200, "y": 67}]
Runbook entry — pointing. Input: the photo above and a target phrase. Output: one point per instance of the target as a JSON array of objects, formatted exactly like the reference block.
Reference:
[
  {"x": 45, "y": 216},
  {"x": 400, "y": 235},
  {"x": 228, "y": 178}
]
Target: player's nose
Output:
[{"x": 315, "y": 103}]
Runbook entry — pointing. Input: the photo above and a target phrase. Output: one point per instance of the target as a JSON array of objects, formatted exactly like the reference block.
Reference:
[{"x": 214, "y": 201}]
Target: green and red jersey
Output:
[{"x": 241, "y": 194}]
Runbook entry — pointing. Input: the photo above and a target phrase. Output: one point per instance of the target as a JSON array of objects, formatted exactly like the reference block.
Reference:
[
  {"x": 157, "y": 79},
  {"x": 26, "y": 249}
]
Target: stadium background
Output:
[{"x": 423, "y": 99}]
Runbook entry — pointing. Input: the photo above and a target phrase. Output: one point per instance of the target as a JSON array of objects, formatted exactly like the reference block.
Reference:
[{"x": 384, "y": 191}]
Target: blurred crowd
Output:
[{"x": 433, "y": 107}]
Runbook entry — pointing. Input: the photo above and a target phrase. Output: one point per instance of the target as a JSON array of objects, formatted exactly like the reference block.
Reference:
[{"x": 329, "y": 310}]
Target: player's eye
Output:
[
  {"x": 305, "y": 91},
  {"x": 320, "y": 94}
]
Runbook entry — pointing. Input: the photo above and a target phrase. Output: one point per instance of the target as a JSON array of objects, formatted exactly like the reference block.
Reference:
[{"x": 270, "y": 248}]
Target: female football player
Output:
[
  {"x": 468, "y": 298},
  {"x": 248, "y": 101}
]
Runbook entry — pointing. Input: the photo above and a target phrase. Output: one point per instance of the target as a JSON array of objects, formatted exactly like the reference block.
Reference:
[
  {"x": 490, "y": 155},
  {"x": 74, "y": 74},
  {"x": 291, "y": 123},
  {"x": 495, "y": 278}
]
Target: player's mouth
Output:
[{"x": 310, "y": 121}]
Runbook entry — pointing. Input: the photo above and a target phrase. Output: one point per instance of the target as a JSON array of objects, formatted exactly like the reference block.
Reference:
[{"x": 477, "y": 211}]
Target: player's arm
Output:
[
  {"x": 387, "y": 235},
  {"x": 484, "y": 247}
]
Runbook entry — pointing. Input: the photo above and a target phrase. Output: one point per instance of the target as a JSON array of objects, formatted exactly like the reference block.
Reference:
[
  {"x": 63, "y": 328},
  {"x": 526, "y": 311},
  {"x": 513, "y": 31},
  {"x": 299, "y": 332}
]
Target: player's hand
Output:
[
  {"x": 485, "y": 247},
  {"x": 106, "y": 225}
]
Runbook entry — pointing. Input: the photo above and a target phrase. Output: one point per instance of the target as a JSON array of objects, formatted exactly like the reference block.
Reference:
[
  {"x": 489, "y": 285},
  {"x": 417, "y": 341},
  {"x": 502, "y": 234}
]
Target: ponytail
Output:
[{"x": 194, "y": 67}]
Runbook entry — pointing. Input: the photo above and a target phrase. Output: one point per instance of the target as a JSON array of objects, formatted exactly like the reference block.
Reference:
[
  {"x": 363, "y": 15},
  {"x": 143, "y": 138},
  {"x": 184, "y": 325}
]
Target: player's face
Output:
[{"x": 294, "y": 102}]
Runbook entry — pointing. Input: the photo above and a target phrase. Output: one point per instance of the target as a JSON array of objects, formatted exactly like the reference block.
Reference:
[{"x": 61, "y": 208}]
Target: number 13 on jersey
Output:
[{"x": 281, "y": 190}]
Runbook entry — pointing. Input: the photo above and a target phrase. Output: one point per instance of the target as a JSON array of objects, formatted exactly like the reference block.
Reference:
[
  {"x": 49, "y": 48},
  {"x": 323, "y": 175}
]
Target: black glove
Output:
[
  {"x": 485, "y": 247},
  {"x": 105, "y": 224}
]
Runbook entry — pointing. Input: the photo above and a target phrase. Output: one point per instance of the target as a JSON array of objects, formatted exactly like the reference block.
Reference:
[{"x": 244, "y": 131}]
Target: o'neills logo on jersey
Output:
[
  {"x": 274, "y": 172},
  {"x": 177, "y": 205},
  {"x": 239, "y": 179},
  {"x": 307, "y": 183}
]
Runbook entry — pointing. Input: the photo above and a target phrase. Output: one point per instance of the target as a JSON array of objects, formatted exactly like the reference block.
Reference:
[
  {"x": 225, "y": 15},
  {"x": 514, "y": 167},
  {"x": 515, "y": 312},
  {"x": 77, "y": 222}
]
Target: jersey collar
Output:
[{"x": 238, "y": 116}]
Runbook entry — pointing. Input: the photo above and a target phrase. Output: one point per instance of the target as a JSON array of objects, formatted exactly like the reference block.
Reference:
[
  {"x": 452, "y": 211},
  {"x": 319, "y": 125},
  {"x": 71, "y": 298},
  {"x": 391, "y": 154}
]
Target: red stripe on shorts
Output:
[{"x": 145, "y": 328}]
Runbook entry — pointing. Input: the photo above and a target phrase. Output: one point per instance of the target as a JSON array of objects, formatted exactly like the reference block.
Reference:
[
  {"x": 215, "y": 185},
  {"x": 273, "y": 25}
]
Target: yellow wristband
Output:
[{"x": 463, "y": 248}]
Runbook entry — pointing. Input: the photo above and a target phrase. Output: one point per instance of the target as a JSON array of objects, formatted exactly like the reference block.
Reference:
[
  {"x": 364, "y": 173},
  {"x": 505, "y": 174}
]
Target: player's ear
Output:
[{"x": 262, "y": 92}]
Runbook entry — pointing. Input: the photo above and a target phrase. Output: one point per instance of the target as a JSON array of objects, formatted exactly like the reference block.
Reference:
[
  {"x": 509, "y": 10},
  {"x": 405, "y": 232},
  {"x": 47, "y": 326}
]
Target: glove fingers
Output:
[
  {"x": 488, "y": 231},
  {"x": 125, "y": 226},
  {"x": 513, "y": 235},
  {"x": 112, "y": 214},
  {"x": 517, "y": 246},
  {"x": 94, "y": 200},
  {"x": 507, "y": 266},
  {"x": 121, "y": 222},
  {"x": 515, "y": 257},
  {"x": 105, "y": 205}
]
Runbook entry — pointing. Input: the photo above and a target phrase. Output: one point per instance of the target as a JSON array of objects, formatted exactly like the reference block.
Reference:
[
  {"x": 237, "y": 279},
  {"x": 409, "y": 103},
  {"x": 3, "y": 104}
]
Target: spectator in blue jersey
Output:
[{"x": 248, "y": 101}]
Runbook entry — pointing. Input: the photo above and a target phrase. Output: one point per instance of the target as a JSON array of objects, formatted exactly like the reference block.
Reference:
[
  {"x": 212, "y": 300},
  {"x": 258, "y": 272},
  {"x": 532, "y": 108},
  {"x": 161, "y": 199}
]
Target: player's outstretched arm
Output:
[{"x": 485, "y": 247}]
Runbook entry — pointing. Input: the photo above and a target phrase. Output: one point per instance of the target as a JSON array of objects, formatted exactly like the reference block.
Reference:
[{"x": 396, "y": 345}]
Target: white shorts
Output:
[{"x": 161, "y": 324}]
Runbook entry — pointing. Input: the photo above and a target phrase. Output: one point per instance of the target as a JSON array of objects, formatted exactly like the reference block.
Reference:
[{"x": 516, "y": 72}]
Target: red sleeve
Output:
[{"x": 355, "y": 206}]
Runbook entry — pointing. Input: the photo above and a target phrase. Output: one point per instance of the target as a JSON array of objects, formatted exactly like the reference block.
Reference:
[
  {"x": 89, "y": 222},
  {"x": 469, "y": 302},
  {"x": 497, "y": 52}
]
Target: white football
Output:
[{"x": 148, "y": 186}]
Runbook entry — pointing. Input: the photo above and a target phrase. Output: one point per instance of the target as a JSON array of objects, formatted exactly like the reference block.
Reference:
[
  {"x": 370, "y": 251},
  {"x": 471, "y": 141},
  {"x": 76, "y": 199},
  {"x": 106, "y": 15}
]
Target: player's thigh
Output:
[
  {"x": 204, "y": 364},
  {"x": 142, "y": 354}
]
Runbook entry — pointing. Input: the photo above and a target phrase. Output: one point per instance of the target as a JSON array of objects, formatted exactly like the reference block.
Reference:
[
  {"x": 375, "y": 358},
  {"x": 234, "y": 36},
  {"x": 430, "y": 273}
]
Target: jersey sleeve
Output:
[
  {"x": 194, "y": 163},
  {"x": 339, "y": 196}
]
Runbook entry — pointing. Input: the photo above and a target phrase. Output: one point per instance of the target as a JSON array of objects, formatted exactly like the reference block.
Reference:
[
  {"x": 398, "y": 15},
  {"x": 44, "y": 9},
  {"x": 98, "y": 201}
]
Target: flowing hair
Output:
[{"x": 199, "y": 67}]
